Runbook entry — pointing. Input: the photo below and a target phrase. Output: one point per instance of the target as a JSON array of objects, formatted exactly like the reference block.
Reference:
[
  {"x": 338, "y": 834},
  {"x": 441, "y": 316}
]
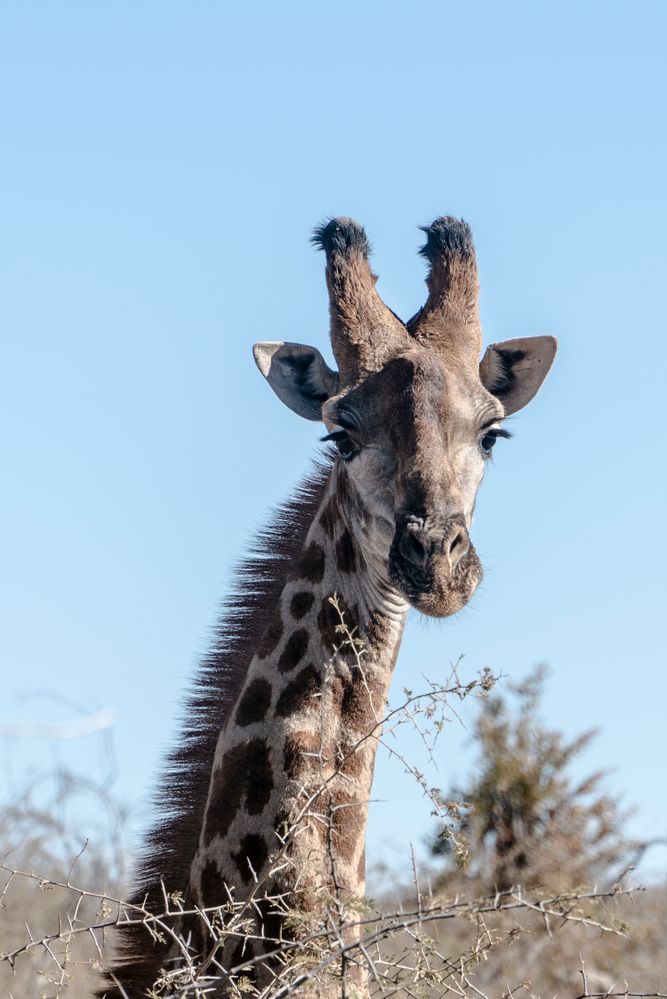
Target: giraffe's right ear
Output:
[{"x": 298, "y": 375}]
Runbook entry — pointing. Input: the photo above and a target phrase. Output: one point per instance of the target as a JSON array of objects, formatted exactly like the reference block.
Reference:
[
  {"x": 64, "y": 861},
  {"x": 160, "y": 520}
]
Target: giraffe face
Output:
[
  {"x": 413, "y": 440},
  {"x": 412, "y": 413}
]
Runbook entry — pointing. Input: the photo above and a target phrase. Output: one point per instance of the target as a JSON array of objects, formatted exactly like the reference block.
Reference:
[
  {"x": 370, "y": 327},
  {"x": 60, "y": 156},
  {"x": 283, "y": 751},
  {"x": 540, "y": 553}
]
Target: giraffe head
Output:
[{"x": 412, "y": 411}]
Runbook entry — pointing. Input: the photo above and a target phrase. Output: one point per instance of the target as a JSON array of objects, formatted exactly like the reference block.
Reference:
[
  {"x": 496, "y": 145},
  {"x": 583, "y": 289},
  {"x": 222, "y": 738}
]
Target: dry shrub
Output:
[
  {"x": 40, "y": 835},
  {"x": 454, "y": 932}
]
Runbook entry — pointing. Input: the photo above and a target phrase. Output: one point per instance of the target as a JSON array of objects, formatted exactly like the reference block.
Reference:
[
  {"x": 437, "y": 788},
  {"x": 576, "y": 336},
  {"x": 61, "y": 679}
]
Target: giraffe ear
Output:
[
  {"x": 514, "y": 370},
  {"x": 298, "y": 375}
]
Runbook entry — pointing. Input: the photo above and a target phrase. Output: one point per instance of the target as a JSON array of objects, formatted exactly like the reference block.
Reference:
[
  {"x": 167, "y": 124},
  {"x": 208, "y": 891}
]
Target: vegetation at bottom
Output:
[{"x": 529, "y": 889}]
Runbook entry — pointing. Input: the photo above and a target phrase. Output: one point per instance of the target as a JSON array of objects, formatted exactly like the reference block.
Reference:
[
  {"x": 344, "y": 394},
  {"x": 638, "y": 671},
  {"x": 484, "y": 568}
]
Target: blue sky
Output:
[{"x": 162, "y": 167}]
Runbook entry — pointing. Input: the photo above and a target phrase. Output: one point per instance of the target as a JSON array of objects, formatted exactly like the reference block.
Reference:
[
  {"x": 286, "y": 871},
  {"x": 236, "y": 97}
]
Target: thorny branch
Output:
[
  {"x": 401, "y": 947},
  {"x": 232, "y": 921}
]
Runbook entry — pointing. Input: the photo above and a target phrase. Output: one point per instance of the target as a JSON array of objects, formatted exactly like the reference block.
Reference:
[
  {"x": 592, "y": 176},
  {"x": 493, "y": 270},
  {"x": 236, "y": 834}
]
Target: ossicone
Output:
[{"x": 365, "y": 334}]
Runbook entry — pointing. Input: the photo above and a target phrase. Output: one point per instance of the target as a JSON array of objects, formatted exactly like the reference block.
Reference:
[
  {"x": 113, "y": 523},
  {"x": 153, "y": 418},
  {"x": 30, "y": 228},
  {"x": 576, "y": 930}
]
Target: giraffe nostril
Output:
[
  {"x": 417, "y": 544},
  {"x": 410, "y": 545},
  {"x": 459, "y": 544}
]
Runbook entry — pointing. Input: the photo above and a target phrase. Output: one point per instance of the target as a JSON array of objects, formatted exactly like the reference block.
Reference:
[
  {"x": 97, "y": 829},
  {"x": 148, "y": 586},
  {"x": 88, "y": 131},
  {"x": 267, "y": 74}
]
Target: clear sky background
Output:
[{"x": 161, "y": 167}]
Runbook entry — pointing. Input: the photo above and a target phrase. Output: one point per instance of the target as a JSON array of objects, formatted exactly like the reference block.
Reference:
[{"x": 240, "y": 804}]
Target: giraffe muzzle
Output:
[{"x": 434, "y": 563}]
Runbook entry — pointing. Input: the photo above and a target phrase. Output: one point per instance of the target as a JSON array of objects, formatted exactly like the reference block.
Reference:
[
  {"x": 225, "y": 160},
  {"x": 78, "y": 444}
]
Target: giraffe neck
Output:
[{"x": 294, "y": 760}]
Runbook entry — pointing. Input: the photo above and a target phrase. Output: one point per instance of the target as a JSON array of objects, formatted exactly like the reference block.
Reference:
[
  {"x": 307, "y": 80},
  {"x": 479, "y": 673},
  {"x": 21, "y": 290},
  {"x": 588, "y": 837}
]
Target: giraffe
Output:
[{"x": 280, "y": 734}]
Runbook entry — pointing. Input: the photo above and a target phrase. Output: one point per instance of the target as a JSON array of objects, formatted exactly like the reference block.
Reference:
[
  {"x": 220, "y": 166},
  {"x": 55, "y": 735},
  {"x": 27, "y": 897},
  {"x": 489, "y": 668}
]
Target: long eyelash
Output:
[
  {"x": 494, "y": 432},
  {"x": 337, "y": 435}
]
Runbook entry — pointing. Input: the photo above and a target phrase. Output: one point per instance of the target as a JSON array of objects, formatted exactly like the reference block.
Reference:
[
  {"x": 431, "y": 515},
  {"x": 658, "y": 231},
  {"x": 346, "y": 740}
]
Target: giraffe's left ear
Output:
[
  {"x": 298, "y": 375},
  {"x": 514, "y": 370}
]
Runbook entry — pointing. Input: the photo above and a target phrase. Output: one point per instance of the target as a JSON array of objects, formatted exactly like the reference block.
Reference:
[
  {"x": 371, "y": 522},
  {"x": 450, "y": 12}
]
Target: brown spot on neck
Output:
[
  {"x": 251, "y": 856},
  {"x": 254, "y": 703},
  {"x": 347, "y": 824},
  {"x": 301, "y": 603},
  {"x": 346, "y": 556},
  {"x": 244, "y": 951},
  {"x": 378, "y": 628},
  {"x": 213, "y": 890},
  {"x": 362, "y": 701},
  {"x": 270, "y": 639},
  {"x": 329, "y": 625},
  {"x": 271, "y": 920},
  {"x": 301, "y": 751},
  {"x": 351, "y": 762},
  {"x": 299, "y": 692},
  {"x": 244, "y": 775},
  {"x": 329, "y": 518},
  {"x": 310, "y": 565},
  {"x": 294, "y": 651}
]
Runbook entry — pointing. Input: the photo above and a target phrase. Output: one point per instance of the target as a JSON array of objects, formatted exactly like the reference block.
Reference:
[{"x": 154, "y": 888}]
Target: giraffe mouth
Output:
[{"x": 435, "y": 588}]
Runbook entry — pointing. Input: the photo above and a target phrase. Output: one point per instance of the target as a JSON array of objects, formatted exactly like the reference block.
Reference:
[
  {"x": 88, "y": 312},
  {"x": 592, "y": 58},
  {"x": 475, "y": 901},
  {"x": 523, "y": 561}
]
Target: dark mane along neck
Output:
[{"x": 180, "y": 798}]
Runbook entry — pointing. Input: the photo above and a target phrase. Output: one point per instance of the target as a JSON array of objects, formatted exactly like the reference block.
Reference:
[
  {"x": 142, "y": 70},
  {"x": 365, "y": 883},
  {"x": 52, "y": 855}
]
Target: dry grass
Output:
[
  {"x": 40, "y": 837},
  {"x": 443, "y": 935},
  {"x": 541, "y": 947}
]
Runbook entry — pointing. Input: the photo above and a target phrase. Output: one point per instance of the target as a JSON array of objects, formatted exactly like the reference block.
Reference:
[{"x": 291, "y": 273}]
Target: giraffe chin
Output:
[{"x": 441, "y": 592}]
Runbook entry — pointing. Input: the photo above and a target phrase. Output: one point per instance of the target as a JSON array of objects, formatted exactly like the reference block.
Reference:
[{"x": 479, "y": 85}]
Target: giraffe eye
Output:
[
  {"x": 489, "y": 439},
  {"x": 346, "y": 447}
]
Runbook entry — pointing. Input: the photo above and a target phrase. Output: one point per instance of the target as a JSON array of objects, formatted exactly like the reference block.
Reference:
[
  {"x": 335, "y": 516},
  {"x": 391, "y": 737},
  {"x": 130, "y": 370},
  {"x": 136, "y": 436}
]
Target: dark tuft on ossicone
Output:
[
  {"x": 447, "y": 235},
  {"x": 339, "y": 236}
]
